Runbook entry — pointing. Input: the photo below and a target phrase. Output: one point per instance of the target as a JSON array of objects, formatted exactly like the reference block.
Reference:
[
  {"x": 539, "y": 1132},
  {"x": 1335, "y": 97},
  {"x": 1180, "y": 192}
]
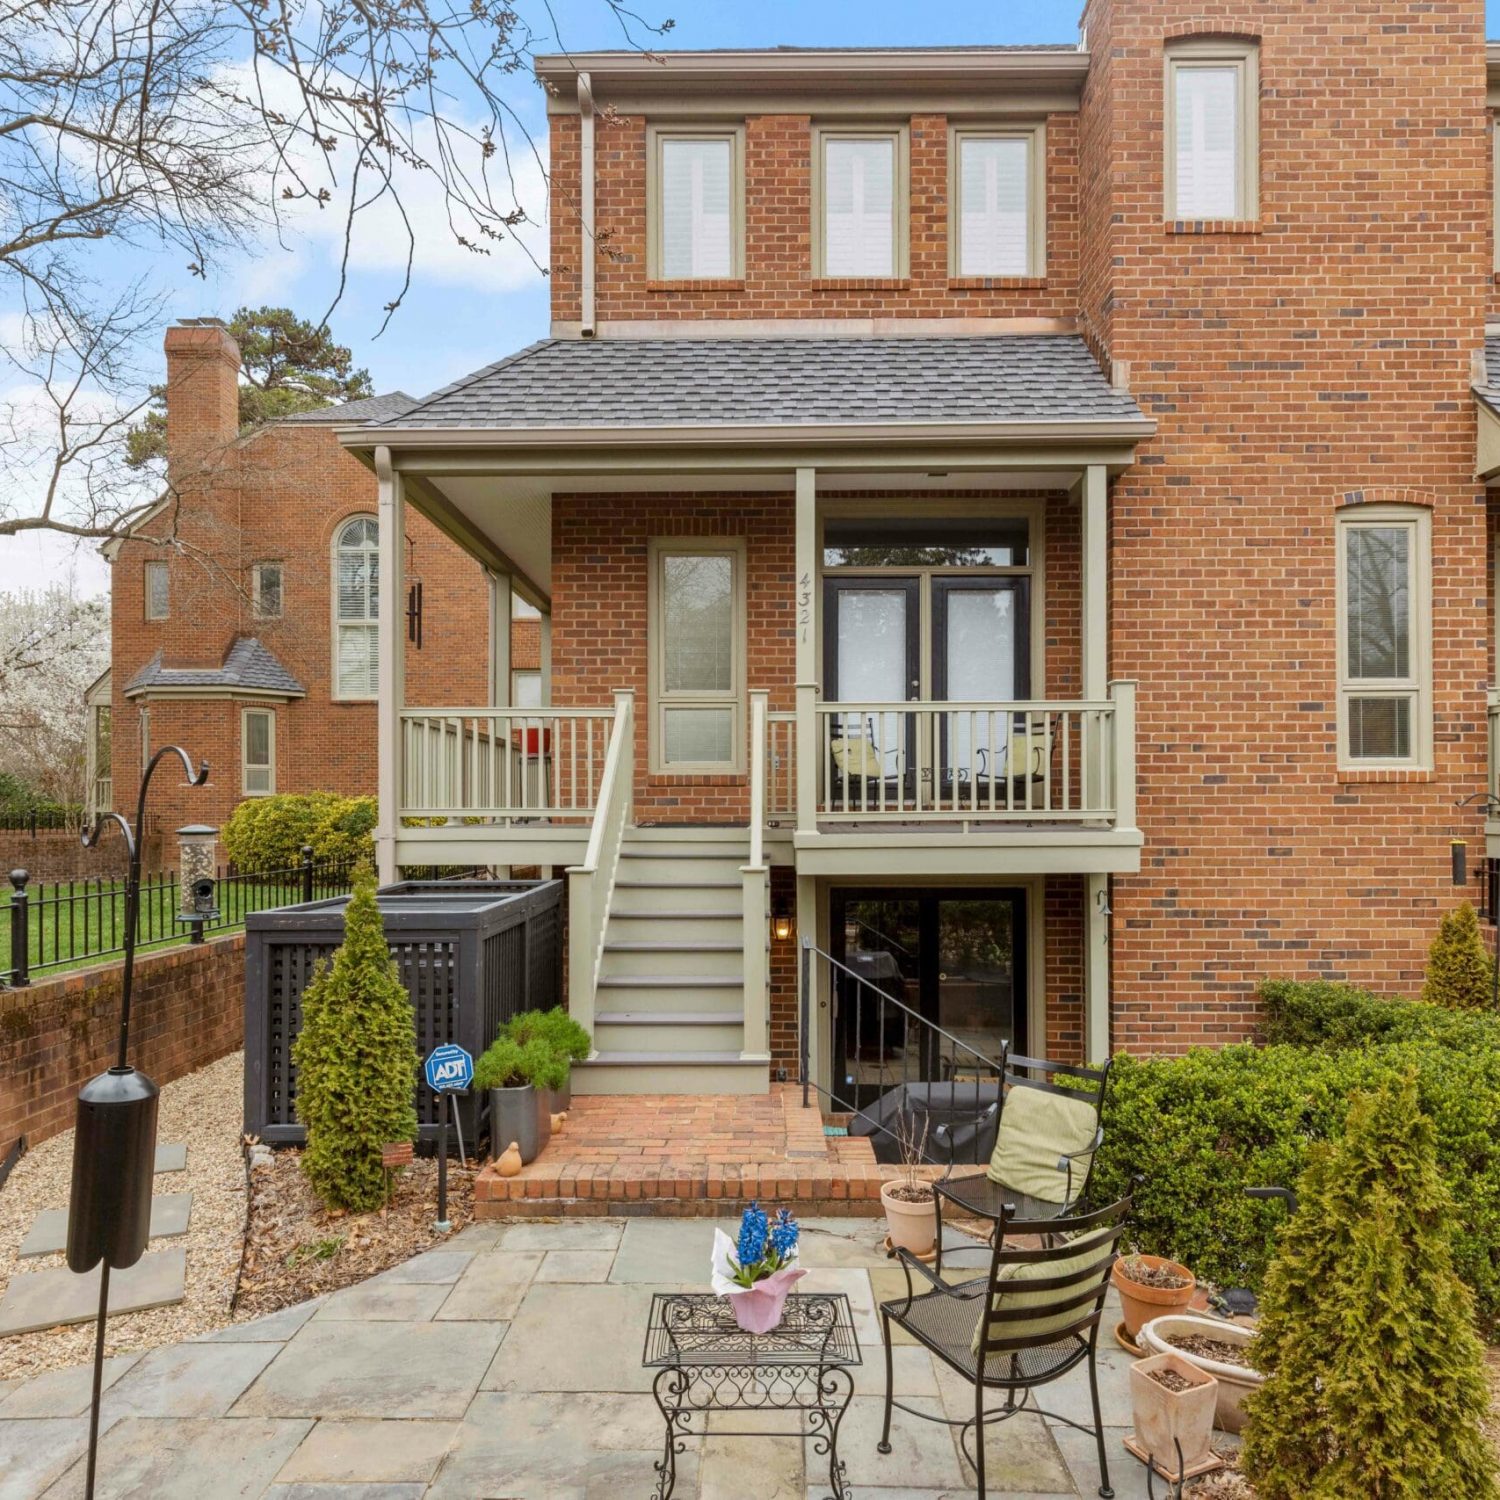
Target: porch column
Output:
[
  {"x": 391, "y": 644},
  {"x": 500, "y": 628},
  {"x": 804, "y": 604},
  {"x": 1096, "y": 968},
  {"x": 544, "y": 659},
  {"x": 1095, "y": 611}
]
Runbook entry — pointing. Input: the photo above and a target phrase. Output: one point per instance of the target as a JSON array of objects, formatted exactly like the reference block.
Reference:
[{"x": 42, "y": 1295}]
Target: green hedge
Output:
[
  {"x": 267, "y": 833},
  {"x": 1197, "y": 1130},
  {"x": 1317, "y": 1013}
]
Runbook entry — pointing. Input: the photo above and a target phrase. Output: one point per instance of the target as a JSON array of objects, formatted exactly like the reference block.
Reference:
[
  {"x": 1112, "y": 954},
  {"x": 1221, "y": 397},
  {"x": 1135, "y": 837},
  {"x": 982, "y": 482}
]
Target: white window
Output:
[
  {"x": 1212, "y": 130},
  {"x": 859, "y": 203},
  {"x": 526, "y": 689},
  {"x": 158, "y": 595},
  {"x": 697, "y": 618},
  {"x": 258, "y": 751},
  {"x": 145, "y": 738},
  {"x": 995, "y": 186},
  {"x": 265, "y": 590},
  {"x": 1384, "y": 644},
  {"x": 356, "y": 579},
  {"x": 695, "y": 196}
]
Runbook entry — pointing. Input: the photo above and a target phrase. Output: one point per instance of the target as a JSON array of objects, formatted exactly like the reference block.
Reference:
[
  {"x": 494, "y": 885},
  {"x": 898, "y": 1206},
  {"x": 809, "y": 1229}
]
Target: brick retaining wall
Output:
[{"x": 55, "y": 1035}]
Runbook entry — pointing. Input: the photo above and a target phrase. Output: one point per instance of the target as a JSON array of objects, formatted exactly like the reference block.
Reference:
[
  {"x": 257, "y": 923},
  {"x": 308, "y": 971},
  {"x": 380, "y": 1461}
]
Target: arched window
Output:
[{"x": 356, "y": 577}]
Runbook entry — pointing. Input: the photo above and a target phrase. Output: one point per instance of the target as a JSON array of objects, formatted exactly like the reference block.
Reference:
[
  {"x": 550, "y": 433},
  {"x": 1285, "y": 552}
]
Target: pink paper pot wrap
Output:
[{"x": 758, "y": 1309}]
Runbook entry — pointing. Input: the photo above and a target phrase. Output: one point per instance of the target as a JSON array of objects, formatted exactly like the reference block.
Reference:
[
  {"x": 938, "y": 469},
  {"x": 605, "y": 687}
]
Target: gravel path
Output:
[{"x": 203, "y": 1112}]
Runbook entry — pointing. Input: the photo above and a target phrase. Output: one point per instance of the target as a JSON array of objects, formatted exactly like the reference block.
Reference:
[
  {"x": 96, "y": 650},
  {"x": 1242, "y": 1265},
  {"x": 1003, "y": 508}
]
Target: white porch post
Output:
[
  {"x": 500, "y": 611},
  {"x": 805, "y": 607},
  {"x": 1095, "y": 611},
  {"x": 391, "y": 644},
  {"x": 544, "y": 658},
  {"x": 1096, "y": 968}
]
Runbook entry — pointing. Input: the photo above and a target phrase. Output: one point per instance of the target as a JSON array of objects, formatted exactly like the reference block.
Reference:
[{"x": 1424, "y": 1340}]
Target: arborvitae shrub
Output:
[
  {"x": 356, "y": 1058},
  {"x": 1375, "y": 1383},
  {"x": 1459, "y": 972}
]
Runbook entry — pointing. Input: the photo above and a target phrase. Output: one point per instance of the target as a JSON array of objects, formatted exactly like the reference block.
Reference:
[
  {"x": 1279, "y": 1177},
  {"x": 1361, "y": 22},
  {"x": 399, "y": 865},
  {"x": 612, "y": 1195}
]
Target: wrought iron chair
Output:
[
  {"x": 1025, "y": 1323},
  {"x": 1047, "y": 1136},
  {"x": 857, "y": 766}
]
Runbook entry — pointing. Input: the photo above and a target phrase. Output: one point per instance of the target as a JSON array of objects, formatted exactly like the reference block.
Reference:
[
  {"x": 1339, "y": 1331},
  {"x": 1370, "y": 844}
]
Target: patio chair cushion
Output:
[
  {"x": 856, "y": 759},
  {"x": 1094, "y": 1250},
  {"x": 1038, "y": 1127}
]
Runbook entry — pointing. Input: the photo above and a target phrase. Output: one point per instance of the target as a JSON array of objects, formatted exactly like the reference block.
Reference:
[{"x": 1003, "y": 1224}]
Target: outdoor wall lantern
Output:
[{"x": 781, "y": 922}]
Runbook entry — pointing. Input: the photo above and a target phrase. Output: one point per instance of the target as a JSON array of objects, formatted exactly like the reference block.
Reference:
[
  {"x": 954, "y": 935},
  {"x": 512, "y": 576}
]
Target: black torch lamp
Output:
[{"x": 114, "y": 1141}]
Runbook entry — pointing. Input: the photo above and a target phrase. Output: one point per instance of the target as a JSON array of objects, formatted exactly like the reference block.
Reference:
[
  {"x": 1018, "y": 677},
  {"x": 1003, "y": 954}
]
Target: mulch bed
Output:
[{"x": 298, "y": 1249}]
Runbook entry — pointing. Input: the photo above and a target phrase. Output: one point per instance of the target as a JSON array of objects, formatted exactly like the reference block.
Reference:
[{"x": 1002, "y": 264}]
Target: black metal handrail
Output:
[{"x": 929, "y": 1057}]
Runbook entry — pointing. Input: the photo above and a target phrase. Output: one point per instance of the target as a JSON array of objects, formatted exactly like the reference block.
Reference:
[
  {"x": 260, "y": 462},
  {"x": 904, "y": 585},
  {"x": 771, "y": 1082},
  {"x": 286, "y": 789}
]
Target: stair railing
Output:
[
  {"x": 756, "y": 896},
  {"x": 591, "y": 885},
  {"x": 907, "y": 1047}
]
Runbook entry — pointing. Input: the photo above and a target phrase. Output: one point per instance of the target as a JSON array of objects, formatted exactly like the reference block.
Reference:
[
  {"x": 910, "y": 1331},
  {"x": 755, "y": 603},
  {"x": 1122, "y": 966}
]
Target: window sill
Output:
[
  {"x": 860, "y": 283},
  {"x": 705, "y": 284},
  {"x": 1371, "y": 775},
  {"x": 1213, "y": 226},
  {"x": 996, "y": 283}
]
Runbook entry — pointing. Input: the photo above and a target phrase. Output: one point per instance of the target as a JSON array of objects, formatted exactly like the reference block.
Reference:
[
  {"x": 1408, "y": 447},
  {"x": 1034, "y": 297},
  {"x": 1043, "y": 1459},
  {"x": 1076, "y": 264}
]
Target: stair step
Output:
[
  {"x": 679, "y": 1073},
  {"x": 642, "y": 946},
  {"x": 633, "y": 884},
  {"x": 711, "y": 914},
  {"x": 669, "y": 981},
  {"x": 666, "y": 1017}
]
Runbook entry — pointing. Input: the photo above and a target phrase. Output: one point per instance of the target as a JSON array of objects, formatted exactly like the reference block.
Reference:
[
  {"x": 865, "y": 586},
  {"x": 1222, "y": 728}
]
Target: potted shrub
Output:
[
  {"x": 758, "y": 1270},
  {"x": 570, "y": 1041},
  {"x": 514, "y": 1077},
  {"x": 909, "y": 1202},
  {"x": 1150, "y": 1285},
  {"x": 1173, "y": 1403},
  {"x": 1215, "y": 1347}
]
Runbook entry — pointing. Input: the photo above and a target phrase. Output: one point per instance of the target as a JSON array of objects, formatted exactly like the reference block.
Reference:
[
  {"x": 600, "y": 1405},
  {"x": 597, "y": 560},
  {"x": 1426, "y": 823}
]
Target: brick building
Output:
[
  {"x": 1007, "y": 515},
  {"x": 243, "y": 608}
]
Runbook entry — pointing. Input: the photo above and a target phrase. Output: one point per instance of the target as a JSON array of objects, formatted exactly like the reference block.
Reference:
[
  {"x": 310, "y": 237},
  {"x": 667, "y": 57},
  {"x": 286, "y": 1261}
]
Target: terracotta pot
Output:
[
  {"x": 1141, "y": 1303},
  {"x": 913, "y": 1226},
  {"x": 1236, "y": 1382},
  {"x": 758, "y": 1308},
  {"x": 1164, "y": 1419}
]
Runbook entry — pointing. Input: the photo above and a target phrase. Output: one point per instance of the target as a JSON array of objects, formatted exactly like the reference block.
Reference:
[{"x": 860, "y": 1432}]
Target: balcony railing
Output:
[{"x": 503, "y": 764}]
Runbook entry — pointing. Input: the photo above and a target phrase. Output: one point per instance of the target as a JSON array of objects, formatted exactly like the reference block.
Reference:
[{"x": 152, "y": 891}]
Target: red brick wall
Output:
[
  {"x": 778, "y": 280},
  {"x": 1325, "y": 355},
  {"x": 187, "y": 1010}
]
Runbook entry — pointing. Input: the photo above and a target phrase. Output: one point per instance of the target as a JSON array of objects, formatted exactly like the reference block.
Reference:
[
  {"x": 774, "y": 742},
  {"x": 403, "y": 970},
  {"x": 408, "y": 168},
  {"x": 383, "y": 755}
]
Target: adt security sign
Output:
[{"x": 448, "y": 1068}]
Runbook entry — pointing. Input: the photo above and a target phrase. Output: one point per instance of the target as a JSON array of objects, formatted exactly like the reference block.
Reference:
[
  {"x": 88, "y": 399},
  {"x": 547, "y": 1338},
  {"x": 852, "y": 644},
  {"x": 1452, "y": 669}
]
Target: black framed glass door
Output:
[{"x": 956, "y": 958}]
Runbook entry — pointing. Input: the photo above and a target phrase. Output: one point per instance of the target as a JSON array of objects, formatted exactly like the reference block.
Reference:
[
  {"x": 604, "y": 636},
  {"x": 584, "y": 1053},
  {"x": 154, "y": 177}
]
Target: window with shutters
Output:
[
  {"x": 1212, "y": 130},
  {"x": 258, "y": 751},
  {"x": 696, "y": 612},
  {"x": 1384, "y": 636},
  {"x": 356, "y": 578},
  {"x": 158, "y": 591},
  {"x": 998, "y": 196},
  {"x": 695, "y": 195},
  {"x": 860, "y": 203}
]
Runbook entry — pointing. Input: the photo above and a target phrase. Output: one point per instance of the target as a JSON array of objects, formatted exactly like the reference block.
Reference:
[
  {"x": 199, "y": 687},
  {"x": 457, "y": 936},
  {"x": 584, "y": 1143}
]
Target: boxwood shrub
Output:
[
  {"x": 1317, "y": 1013},
  {"x": 1188, "y": 1134},
  {"x": 267, "y": 833}
]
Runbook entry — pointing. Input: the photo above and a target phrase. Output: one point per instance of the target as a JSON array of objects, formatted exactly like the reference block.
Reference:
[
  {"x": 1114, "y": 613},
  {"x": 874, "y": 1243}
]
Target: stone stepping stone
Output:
[
  {"x": 46, "y": 1299},
  {"x": 171, "y": 1159},
  {"x": 49, "y": 1235}
]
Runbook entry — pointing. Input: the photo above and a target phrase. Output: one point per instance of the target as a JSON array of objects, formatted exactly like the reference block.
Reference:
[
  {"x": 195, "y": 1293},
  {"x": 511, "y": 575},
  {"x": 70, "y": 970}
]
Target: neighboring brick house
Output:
[
  {"x": 229, "y": 635},
  {"x": 1053, "y": 467}
]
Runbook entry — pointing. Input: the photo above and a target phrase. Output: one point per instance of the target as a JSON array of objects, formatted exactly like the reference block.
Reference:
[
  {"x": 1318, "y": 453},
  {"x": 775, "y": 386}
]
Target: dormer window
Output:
[
  {"x": 859, "y": 203},
  {"x": 695, "y": 193}
]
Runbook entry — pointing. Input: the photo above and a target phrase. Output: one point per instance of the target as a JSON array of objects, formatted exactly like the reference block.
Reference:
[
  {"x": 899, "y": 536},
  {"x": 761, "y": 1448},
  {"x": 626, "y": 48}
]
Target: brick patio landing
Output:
[{"x": 674, "y": 1155}]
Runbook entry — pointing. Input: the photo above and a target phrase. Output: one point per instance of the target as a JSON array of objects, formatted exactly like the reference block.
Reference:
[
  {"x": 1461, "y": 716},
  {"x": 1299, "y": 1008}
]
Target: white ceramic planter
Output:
[{"x": 1236, "y": 1382}]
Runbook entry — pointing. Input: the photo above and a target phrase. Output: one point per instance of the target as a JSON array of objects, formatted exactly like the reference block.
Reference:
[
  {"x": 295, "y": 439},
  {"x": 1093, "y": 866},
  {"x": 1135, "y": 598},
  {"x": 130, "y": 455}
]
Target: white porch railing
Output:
[
  {"x": 755, "y": 903},
  {"x": 1030, "y": 762},
  {"x": 781, "y": 767},
  {"x": 591, "y": 885},
  {"x": 498, "y": 764}
]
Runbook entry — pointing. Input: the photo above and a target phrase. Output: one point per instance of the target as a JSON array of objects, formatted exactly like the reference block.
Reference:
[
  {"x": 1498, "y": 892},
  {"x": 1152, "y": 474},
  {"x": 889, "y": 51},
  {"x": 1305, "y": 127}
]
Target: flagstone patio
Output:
[{"x": 506, "y": 1366}]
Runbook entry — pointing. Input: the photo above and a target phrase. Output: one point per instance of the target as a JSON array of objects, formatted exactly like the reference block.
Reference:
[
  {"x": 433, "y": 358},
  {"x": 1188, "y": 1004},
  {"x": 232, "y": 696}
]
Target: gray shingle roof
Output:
[
  {"x": 373, "y": 409},
  {"x": 689, "y": 382},
  {"x": 247, "y": 665}
]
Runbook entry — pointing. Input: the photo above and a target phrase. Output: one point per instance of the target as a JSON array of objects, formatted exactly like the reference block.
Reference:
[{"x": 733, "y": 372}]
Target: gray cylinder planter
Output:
[
  {"x": 560, "y": 1099},
  {"x": 519, "y": 1115}
]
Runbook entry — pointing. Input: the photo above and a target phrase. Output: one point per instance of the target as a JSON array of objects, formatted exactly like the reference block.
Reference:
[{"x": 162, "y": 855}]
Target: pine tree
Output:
[
  {"x": 356, "y": 1058},
  {"x": 1459, "y": 972},
  {"x": 1375, "y": 1381}
]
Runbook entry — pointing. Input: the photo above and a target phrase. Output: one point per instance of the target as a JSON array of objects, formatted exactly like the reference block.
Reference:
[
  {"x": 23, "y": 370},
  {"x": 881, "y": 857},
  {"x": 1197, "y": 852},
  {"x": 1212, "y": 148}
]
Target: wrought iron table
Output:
[
  {"x": 706, "y": 1363},
  {"x": 980, "y": 1198}
]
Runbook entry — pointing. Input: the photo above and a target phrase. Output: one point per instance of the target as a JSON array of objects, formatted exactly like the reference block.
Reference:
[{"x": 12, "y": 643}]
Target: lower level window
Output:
[
  {"x": 1384, "y": 654},
  {"x": 258, "y": 744}
]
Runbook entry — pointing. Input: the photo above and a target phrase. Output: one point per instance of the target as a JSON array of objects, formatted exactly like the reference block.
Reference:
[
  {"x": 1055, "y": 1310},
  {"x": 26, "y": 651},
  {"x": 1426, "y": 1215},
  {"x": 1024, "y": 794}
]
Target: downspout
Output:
[{"x": 586, "y": 203}]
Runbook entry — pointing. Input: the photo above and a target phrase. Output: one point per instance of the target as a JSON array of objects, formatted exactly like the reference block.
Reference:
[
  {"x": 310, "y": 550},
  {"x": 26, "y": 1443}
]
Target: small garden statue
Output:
[
  {"x": 356, "y": 1060},
  {"x": 1374, "y": 1374},
  {"x": 758, "y": 1271}
]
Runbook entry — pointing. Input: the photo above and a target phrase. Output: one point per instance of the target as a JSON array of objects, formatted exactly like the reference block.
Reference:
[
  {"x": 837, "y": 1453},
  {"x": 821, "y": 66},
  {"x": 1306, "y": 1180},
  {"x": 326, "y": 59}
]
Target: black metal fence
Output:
[
  {"x": 39, "y": 819},
  {"x": 71, "y": 921}
]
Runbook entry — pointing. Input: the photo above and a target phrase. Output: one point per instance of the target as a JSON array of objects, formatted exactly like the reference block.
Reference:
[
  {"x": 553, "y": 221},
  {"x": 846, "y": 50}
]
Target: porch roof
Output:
[{"x": 632, "y": 386}]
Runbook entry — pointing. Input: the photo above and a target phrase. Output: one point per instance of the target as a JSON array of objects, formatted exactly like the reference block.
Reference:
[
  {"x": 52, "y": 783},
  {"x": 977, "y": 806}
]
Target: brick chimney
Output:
[{"x": 203, "y": 401}]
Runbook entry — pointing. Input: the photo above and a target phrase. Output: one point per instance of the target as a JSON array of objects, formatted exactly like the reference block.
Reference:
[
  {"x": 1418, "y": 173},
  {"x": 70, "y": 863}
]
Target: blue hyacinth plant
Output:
[{"x": 765, "y": 1245}]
